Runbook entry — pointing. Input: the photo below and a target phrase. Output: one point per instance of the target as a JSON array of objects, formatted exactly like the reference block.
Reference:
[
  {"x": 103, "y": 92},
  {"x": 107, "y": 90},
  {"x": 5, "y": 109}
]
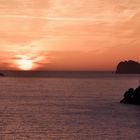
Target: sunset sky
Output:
[{"x": 68, "y": 34}]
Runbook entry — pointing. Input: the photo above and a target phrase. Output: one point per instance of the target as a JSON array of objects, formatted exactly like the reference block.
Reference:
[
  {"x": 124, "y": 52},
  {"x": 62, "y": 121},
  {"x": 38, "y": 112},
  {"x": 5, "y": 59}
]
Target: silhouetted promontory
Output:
[
  {"x": 132, "y": 96},
  {"x": 128, "y": 67}
]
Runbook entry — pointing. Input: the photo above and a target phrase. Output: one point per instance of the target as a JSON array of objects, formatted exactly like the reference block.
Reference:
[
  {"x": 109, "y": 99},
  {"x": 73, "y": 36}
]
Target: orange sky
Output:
[{"x": 69, "y": 34}]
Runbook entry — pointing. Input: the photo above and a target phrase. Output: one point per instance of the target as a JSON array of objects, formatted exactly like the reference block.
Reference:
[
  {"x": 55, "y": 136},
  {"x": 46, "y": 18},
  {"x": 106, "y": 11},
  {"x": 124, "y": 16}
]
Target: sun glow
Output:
[{"x": 25, "y": 64}]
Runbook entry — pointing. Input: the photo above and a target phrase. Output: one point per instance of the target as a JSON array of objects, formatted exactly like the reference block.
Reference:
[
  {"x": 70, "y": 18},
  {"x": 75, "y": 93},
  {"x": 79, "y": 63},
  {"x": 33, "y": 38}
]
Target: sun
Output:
[{"x": 25, "y": 64}]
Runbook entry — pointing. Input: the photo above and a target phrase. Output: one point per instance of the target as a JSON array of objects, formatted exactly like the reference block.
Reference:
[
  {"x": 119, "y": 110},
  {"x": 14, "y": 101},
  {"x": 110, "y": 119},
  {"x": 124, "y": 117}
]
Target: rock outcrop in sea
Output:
[
  {"x": 132, "y": 96},
  {"x": 128, "y": 67}
]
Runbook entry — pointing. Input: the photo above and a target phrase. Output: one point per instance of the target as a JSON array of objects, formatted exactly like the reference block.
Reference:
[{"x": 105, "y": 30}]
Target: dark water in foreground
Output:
[{"x": 67, "y": 109}]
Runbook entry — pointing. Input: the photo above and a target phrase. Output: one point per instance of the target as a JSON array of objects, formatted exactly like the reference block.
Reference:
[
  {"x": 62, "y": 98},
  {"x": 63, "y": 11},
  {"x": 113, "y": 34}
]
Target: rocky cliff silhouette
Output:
[
  {"x": 132, "y": 96},
  {"x": 128, "y": 67}
]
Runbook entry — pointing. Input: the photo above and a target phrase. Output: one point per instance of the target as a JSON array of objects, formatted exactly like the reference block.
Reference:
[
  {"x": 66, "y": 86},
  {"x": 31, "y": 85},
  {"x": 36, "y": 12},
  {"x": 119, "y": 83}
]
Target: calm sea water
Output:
[{"x": 68, "y": 108}]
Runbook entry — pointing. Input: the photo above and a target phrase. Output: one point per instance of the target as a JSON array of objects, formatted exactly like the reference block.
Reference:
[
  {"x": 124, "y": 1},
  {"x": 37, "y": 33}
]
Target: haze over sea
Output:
[{"x": 66, "y": 107}]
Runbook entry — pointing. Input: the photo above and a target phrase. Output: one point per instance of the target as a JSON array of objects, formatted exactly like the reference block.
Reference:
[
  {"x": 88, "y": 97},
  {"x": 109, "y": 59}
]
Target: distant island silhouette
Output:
[
  {"x": 1, "y": 74},
  {"x": 128, "y": 67}
]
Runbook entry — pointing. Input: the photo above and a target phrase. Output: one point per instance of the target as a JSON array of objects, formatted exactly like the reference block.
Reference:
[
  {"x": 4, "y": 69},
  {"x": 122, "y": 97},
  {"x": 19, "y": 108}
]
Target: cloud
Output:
[{"x": 35, "y": 29}]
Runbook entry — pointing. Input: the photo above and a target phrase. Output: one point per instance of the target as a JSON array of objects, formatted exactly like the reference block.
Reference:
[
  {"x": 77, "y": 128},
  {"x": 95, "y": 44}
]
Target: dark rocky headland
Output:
[
  {"x": 128, "y": 67},
  {"x": 132, "y": 96}
]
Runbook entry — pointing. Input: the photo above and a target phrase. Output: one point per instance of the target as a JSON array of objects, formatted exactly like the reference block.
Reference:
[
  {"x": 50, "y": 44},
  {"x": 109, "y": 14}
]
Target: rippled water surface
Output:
[{"x": 67, "y": 109}]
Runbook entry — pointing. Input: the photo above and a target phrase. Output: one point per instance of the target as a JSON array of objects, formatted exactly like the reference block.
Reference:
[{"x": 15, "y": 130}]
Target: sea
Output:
[{"x": 68, "y": 107}]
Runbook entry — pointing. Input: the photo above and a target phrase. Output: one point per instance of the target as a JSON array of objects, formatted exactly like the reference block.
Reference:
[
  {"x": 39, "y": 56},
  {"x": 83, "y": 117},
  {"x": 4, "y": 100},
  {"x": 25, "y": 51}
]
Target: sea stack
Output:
[{"x": 128, "y": 67}]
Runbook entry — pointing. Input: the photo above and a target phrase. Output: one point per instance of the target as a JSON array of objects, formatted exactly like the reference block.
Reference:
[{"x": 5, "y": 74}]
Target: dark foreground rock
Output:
[
  {"x": 132, "y": 96},
  {"x": 128, "y": 67}
]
